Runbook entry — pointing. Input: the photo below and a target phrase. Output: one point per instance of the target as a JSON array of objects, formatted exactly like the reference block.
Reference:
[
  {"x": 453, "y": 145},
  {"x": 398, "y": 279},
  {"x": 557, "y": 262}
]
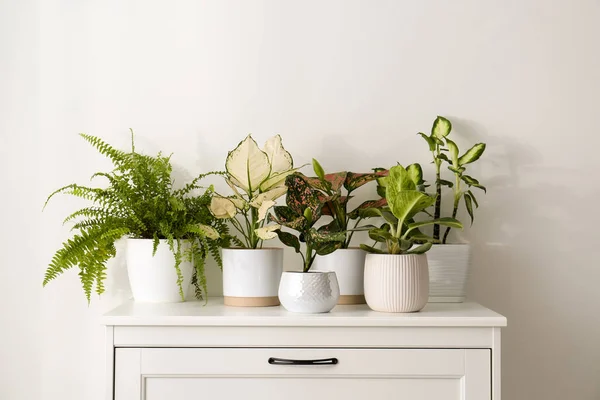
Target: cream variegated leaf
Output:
[
  {"x": 222, "y": 207},
  {"x": 279, "y": 158},
  {"x": 264, "y": 209},
  {"x": 277, "y": 180},
  {"x": 209, "y": 231},
  {"x": 247, "y": 165},
  {"x": 272, "y": 194},
  {"x": 239, "y": 203},
  {"x": 267, "y": 232}
]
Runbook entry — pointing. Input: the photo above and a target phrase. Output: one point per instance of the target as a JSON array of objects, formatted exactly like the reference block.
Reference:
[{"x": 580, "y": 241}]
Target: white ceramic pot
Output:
[
  {"x": 154, "y": 279},
  {"x": 396, "y": 283},
  {"x": 251, "y": 277},
  {"x": 349, "y": 268},
  {"x": 448, "y": 272},
  {"x": 309, "y": 292}
]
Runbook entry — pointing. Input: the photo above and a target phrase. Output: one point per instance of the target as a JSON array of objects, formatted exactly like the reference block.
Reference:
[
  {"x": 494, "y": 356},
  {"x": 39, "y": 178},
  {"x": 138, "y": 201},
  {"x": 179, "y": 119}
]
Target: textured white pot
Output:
[
  {"x": 309, "y": 292},
  {"x": 349, "y": 268},
  {"x": 154, "y": 279},
  {"x": 448, "y": 272},
  {"x": 251, "y": 277},
  {"x": 396, "y": 283}
]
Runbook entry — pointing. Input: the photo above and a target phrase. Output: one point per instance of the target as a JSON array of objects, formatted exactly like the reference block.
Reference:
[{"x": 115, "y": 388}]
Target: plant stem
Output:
[
  {"x": 308, "y": 260},
  {"x": 438, "y": 192},
  {"x": 254, "y": 224},
  {"x": 347, "y": 242},
  {"x": 457, "y": 196}
]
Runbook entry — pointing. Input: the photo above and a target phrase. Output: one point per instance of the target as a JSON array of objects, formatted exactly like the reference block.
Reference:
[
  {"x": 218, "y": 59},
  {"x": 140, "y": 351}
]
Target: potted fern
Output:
[
  {"x": 347, "y": 262},
  {"x": 449, "y": 263},
  {"x": 306, "y": 291},
  {"x": 251, "y": 272},
  {"x": 170, "y": 232},
  {"x": 397, "y": 276}
]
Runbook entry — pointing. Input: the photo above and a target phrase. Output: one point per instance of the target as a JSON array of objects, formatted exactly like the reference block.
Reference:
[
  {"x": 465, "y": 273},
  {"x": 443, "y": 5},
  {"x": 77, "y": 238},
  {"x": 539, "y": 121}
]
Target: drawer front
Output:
[{"x": 294, "y": 374}]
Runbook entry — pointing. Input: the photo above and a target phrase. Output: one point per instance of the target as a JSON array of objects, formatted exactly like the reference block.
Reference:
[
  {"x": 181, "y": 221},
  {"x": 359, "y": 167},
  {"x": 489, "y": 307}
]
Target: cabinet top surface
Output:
[{"x": 196, "y": 313}]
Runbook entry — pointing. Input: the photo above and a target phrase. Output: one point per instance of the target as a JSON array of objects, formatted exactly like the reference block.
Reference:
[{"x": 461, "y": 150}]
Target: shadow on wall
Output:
[{"x": 523, "y": 241}]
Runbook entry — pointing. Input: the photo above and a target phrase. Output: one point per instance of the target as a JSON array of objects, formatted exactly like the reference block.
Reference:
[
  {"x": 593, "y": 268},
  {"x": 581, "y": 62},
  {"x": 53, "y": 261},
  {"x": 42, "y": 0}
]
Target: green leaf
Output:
[
  {"x": 308, "y": 215},
  {"x": 446, "y": 221},
  {"x": 458, "y": 171},
  {"x": 318, "y": 169},
  {"x": 473, "y": 198},
  {"x": 289, "y": 240},
  {"x": 446, "y": 183},
  {"x": 438, "y": 141},
  {"x": 416, "y": 173},
  {"x": 443, "y": 156},
  {"x": 371, "y": 249},
  {"x": 421, "y": 249},
  {"x": 380, "y": 235},
  {"x": 469, "y": 180},
  {"x": 453, "y": 152},
  {"x": 469, "y": 205},
  {"x": 366, "y": 205},
  {"x": 377, "y": 212},
  {"x": 355, "y": 180},
  {"x": 327, "y": 248},
  {"x": 441, "y": 127},
  {"x": 472, "y": 154},
  {"x": 429, "y": 141}
]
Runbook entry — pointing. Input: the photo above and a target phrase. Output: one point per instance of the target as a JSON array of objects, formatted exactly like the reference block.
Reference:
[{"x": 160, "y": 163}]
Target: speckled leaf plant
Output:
[
  {"x": 257, "y": 178},
  {"x": 439, "y": 145},
  {"x": 400, "y": 232},
  {"x": 304, "y": 206},
  {"x": 335, "y": 191}
]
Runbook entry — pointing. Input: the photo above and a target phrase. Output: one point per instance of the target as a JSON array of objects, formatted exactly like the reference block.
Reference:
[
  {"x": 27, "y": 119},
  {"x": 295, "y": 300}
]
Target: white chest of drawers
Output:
[{"x": 192, "y": 351}]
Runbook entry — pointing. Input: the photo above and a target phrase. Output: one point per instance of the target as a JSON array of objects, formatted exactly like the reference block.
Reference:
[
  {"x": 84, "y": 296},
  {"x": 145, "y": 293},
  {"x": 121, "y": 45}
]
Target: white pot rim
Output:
[
  {"x": 395, "y": 255},
  {"x": 160, "y": 240},
  {"x": 308, "y": 272}
]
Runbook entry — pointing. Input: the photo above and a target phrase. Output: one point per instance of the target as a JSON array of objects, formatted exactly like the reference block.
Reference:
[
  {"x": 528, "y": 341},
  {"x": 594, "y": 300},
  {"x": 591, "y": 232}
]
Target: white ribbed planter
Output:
[
  {"x": 251, "y": 277},
  {"x": 309, "y": 292},
  {"x": 449, "y": 266},
  {"x": 154, "y": 279},
  {"x": 349, "y": 268},
  {"x": 396, "y": 283}
]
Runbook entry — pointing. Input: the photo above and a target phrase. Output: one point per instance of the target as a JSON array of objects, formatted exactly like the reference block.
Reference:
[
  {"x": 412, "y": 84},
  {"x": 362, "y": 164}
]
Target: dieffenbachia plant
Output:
[
  {"x": 400, "y": 232},
  {"x": 335, "y": 203},
  {"x": 257, "y": 178},
  {"x": 304, "y": 206},
  {"x": 439, "y": 145}
]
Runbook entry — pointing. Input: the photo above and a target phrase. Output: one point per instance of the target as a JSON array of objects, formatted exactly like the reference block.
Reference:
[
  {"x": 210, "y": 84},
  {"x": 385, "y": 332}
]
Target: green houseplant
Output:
[
  {"x": 139, "y": 202},
  {"x": 337, "y": 190},
  {"x": 449, "y": 264},
  {"x": 256, "y": 176},
  {"x": 396, "y": 276},
  {"x": 306, "y": 291}
]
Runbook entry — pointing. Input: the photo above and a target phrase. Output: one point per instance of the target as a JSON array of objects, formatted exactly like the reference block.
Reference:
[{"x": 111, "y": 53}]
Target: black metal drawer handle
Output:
[{"x": 284, "y": 361}]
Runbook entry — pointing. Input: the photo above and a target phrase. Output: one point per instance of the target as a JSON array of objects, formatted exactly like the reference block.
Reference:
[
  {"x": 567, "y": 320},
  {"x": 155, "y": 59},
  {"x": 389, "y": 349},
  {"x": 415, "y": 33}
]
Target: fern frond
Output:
[{"x": 118, "y": 157}]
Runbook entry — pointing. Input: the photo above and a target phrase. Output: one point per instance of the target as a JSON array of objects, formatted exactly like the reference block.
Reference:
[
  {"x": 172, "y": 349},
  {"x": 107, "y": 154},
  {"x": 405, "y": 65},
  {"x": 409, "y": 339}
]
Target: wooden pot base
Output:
[
  {"x": 251, "y": 301},
  {"x": 349, "y": 299}
]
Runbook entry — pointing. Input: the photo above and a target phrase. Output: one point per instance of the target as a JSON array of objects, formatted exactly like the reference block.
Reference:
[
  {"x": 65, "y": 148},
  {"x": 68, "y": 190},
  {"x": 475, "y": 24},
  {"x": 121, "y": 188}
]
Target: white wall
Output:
[{"x": 348, "y": 82}]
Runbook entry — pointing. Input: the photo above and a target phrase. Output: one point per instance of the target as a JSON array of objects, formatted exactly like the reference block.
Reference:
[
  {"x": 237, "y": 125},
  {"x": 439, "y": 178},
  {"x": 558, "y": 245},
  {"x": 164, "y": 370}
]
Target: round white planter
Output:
[
  {"x": 251, "y": 277},
  {"x": 396, "y": 283},
  {"x": 154, "y": 279},
  {"x": 448, "y": 272},
  {"x": 309, "y": 292},
  {"x": 349, "y": 268}
]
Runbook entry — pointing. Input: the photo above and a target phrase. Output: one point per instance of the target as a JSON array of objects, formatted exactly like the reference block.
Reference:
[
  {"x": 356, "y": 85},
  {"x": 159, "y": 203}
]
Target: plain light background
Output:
[{"x": 348, "y": 82}]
